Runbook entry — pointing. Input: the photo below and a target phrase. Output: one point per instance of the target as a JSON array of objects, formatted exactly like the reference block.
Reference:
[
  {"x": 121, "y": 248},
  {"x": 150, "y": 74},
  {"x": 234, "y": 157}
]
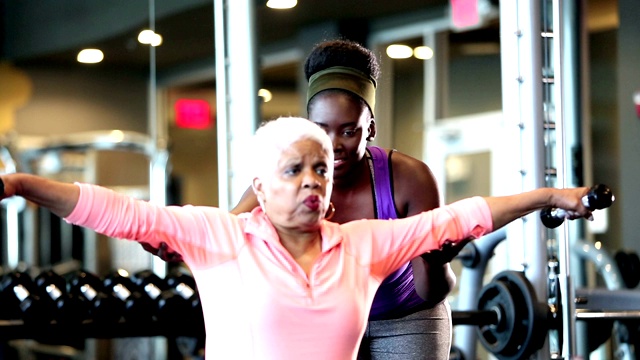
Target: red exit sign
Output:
[{"x": 193, "y": 114}]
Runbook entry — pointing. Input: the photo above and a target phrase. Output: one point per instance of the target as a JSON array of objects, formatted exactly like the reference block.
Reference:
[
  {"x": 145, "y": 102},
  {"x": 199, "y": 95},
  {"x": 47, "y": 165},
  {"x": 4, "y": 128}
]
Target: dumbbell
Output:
[
  {"x": 175, "y": 298},
  {"x": 65, "y": 308},
  {"x": 104, "y": 308},
  {"x": 598, "y": 197},
  {"x": 20, "y": 300},
  {"x": 150, "y": 282},
  {"x": 153, "y": 286},
  {"x": 138, "y": 306},
  {"x": 182, "y": 294}
]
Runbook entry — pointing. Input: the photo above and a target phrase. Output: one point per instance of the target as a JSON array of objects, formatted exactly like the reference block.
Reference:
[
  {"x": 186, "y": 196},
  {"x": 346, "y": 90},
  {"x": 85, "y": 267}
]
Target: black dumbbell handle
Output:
[{"x": 598, "y": 197}]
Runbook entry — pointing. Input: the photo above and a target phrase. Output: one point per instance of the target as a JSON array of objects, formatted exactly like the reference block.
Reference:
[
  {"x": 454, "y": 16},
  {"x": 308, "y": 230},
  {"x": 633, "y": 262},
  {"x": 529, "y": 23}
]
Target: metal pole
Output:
[
  {"x": 236, "y": 94},
  {"x": 522, "y": 106},
  {"x": 157, "y": 160},
  {"x": 572, "y": 27},
  {"x": 564, "y": 253}
]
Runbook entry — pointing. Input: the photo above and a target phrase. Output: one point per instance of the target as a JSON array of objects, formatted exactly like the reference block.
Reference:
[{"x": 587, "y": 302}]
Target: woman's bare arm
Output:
[
  {"x": 433, "y": 277},
  {"x": 60, "y": 198},
  {"x": 505, "y": 209},
  {"x": 247, "y": 203}
]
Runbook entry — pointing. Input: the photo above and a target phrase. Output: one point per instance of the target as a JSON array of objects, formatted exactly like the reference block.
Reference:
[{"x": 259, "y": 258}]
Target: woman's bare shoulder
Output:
[{"x": 415, "y": 187}]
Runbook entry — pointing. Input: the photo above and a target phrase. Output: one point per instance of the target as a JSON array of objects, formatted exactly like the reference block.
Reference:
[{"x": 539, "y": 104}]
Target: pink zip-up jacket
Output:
[{"x": 258, "y": 303}]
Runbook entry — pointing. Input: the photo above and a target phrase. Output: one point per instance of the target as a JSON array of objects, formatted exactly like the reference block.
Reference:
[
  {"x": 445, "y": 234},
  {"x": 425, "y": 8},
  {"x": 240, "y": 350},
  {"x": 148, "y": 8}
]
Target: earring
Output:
[
  {"x": 369, "y": 138},
  {"x": 330, "y": 212}
]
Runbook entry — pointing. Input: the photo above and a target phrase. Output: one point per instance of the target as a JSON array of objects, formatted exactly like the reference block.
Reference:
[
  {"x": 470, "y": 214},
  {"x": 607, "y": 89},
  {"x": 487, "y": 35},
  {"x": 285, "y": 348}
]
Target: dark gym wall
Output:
[
  {"x": 605, "y": 123},
  {"x": 629, "y": 130}
]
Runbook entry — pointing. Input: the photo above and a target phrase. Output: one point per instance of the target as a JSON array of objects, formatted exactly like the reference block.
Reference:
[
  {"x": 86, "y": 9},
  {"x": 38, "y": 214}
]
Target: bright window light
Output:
[
  {"x": 423, "y": 52},
  {"x": 90, "y": 56},
  {"x": 150, "y": 38},
  {"x": 282, "y": 4},
  {"x": 265, "y": 95},
  {"x": 397, "y": 51}
]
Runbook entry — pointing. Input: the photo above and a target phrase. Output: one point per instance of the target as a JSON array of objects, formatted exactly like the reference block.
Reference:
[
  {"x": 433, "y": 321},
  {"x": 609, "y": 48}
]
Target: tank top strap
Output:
[{"x": 381, "y": 178}]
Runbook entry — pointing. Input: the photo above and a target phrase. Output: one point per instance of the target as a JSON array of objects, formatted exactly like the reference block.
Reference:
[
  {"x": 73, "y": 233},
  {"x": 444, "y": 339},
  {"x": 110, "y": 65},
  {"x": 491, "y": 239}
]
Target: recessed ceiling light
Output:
[
  {"x": 282, "y": 4},
  {"x": 150, "y": 37},
  {"x": 265, "y": 95},
  {"x": 423, "y": 52},
  {"x": 397, "y": 51},
  {"x": 90, "y": 56}
]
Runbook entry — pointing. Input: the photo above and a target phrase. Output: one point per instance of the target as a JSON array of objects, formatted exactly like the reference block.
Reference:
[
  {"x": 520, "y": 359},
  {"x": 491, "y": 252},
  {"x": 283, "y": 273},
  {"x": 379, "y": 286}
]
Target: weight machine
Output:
[
  {"x": 511, "y": 322},
  {"x": 542, "y": 58}
]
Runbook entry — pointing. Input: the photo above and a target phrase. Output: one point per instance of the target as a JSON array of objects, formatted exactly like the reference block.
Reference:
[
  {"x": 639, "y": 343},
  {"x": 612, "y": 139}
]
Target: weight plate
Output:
[
  {"x": 527, "y": 318},
  {"x": 496, "y": 296}
]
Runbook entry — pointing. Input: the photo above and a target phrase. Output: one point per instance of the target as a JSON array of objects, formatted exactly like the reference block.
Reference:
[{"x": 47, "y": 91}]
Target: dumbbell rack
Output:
[
  {"x": 57, "y": 313},
  {"x": 74, "y": 155},
  {"x": 53, "y": 332}
]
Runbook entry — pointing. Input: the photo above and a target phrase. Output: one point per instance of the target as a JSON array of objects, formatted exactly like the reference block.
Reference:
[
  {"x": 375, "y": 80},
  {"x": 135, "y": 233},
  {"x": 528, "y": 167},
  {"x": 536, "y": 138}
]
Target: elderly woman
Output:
[{"x": 281, "y": 282}]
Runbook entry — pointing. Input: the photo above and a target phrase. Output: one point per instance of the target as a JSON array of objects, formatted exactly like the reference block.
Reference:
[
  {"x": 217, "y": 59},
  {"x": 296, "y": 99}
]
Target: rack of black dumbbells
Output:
[{"x": 55, "y": 308}]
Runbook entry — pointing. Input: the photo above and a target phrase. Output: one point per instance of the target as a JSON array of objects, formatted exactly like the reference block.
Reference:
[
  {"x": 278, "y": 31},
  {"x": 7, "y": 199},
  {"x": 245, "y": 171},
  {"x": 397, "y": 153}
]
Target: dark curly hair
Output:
[{"x": 341, "y": 53}]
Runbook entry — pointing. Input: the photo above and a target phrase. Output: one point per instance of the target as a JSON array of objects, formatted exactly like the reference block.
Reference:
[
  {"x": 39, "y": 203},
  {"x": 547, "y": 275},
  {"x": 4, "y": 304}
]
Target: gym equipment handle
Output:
[{"x": 598, "y": 197}]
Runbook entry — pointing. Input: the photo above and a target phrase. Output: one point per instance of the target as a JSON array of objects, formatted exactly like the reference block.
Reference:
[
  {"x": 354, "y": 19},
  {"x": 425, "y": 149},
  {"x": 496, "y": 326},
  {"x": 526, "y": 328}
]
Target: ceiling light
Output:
[
  {"x": 157, "y": 40},
  {"x": 282, "y": 4},
  {"x": 423, "y": 52},
  {"x": 397, "y": 51},
  {"x": 90, "y": 56},
  {"x": 149, "y": 37},
  {"x": 265, "y": 95}
]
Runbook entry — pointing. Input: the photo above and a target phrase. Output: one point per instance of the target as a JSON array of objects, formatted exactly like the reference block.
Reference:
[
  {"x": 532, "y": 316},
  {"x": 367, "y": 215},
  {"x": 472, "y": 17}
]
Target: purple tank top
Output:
[{"x": 396, "y": 294}]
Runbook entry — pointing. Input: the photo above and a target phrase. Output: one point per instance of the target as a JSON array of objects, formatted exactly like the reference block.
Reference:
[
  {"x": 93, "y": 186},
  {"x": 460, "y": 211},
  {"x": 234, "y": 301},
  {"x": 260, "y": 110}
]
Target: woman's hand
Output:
[
  {"x": 570, "y": 200},
  {"x": 163, "y": 252}
]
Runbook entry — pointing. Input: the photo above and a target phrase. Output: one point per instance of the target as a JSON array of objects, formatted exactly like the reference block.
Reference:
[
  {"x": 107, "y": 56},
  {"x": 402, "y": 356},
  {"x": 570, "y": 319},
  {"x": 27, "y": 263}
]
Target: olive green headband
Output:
[{"x": 345, "y": 78}]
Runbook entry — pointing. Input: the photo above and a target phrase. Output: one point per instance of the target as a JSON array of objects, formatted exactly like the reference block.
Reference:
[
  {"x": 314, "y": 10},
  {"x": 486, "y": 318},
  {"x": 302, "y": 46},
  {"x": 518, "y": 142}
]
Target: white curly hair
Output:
[{"x": 275, "y": 136}]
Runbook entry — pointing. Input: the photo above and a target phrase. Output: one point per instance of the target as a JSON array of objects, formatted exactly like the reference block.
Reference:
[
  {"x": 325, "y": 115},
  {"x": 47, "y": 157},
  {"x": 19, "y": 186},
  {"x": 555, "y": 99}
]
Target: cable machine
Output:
[{"x": 541, "y": 93}]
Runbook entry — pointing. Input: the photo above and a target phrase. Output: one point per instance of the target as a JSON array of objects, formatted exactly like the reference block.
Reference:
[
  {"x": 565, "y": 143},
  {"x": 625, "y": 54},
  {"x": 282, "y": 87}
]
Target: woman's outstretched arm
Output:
[
  {"x": 60, "y": 198},
  {"x": 505, "y": 209}
]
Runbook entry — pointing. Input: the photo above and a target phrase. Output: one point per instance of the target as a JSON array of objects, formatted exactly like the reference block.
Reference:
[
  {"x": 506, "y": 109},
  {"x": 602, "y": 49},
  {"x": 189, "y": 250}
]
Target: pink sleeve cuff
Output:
[
  {"x": 474, "y": 215},
  {"x": 79, "y": 211}
]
